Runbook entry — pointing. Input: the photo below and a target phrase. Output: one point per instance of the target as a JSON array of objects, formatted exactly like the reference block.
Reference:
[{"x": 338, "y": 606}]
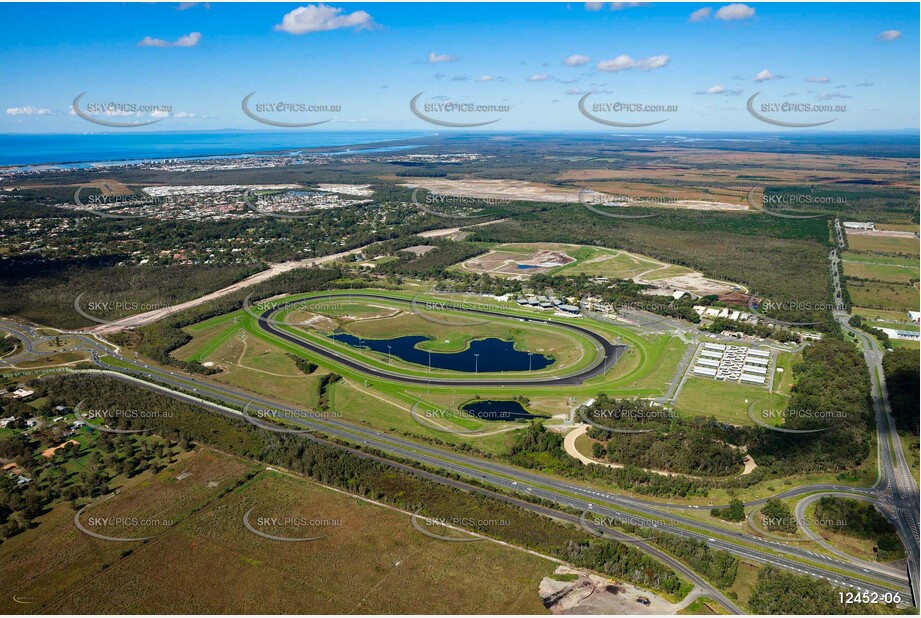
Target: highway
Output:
[
  {"x": 572, "y": 495},
  {"x": 897, "y": 488}
]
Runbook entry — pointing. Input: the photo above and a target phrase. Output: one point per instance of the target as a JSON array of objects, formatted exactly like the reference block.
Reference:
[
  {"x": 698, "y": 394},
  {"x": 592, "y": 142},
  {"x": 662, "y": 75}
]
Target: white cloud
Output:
[
  {"x": 459, "y": 78},
  {"x": 624, "y": 62},
  {"x": 766, "y": 75},
  {"x": 187, "y": 40},
  {"x": 735, "y": 12},
  {"x": 578, "y": 91},
  {"x": 322, "y": 18},
  {"x": 576, "y": 60},
  {"x": 700, "y": 14},
  {"x": 818, "y": 80},
  {"x": 614, "y": 6},
  {"x": 484, "y": 78},
  {"x": 825, "y": 96},
  {"x": 28, "y": 110},
  {"x": 188, "y": 5},
  {"x": 888, "y": 35},
  {"x": 721, "y": 89},
  {"x": 439, "y": 58},
  {"x": 539, "y": 77},
  {"x": 864, "y": 84}
]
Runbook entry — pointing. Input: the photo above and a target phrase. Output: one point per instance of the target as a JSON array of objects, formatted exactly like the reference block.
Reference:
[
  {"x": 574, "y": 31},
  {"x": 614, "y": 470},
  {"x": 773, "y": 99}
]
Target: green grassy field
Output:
[
  {"x": 255, "y": 361},
  {"x": 727, "y": 401},
  {"x": 599, "y": 262},
  {"x": 668, "y": 271},
  {"x": 883, "y": 244},
  {"x": 913, "y": 328},
  {"x": 645, "y": 370},
  {"x": 881, "y": 314},
  {"x": 571, "y": 351},
  {"x": 895, "y": 273},
  {"x": 890, "y": 296}
]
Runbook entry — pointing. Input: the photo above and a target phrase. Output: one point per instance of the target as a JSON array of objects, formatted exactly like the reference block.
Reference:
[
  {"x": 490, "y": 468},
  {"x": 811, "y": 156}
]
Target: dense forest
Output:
[
  {"x": 861, "y": 520},
  {"x": 45, "y": 291},
  {"x": 667, "y": 442},
  {"x": 832, "y": 392},
  {"x": 902, "y": 368},
  {"x": 781, "y": 592},
  {"x": 768, "y": 255},
  {"x": 776, "y": 516}
]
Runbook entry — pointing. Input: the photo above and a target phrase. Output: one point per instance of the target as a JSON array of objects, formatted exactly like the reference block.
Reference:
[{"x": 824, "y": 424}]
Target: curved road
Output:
[
  {"x": 608, "y": 353},
  {"x": 561, "y": 492}
]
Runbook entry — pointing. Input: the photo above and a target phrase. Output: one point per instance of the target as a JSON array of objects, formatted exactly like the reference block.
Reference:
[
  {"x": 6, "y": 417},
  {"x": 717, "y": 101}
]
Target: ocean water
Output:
[{"x": 80, "y": 150}]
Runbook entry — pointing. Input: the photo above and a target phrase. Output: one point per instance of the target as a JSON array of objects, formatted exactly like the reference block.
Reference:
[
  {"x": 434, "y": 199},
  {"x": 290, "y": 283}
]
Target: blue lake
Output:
[
  {"x": 482, "y": 356},
  {"x": 498, "y": 410}
]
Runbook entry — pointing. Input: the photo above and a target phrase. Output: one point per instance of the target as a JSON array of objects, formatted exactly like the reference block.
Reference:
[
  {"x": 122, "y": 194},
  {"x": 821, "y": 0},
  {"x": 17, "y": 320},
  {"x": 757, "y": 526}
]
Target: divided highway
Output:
[{"x": 642, "y": 512}]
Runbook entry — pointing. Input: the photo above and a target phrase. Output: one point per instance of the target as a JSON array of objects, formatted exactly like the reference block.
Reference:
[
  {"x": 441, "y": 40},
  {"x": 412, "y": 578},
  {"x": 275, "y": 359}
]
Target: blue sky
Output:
[{"x": 538, "y": 59}]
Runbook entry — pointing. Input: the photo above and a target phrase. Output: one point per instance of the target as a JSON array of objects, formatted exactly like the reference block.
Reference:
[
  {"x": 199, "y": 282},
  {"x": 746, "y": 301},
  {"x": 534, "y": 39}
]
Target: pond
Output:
[
  {"x": 498, "y": 410},
  {"x": 488, "y": 355}
]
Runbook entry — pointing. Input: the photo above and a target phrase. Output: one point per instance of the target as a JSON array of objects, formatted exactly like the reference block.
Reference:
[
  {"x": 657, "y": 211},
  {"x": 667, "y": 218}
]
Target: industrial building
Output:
[{"x": 732, "y": 363}]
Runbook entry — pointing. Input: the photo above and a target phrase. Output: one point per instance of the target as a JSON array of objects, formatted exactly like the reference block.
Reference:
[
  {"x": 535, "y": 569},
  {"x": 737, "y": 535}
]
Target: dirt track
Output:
[
  {"x": 142, "y": 319},
  {"x": 148, "y": 317}
]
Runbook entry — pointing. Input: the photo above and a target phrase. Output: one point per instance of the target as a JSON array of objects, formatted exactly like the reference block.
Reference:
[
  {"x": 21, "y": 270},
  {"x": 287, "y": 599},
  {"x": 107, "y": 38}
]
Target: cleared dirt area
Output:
[
  {"x": 109, "y": 186},
  {"x": 524, "y": 260},
  {"x": 695, "y": 283},
  {"x": 495, "y": 189},
  {"x": 574, "y": 592},
  {"x": 522, "y": 190},
  {"x": 517, "y": 263},
  {"x": 419, "y": 249}
]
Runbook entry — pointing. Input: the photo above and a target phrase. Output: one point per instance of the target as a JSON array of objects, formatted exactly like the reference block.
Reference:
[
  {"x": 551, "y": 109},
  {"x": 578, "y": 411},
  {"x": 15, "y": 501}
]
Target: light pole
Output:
[
  {"x": 529, "y": 362},
  {"x": 430, "y": 361},
  {"x": 476, "y": 366},
  {"x": 389, "y": 361}
]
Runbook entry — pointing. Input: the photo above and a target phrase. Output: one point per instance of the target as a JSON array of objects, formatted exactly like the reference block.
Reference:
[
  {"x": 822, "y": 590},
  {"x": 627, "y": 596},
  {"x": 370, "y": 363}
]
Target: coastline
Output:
[{"x": 224, "y": 144}]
